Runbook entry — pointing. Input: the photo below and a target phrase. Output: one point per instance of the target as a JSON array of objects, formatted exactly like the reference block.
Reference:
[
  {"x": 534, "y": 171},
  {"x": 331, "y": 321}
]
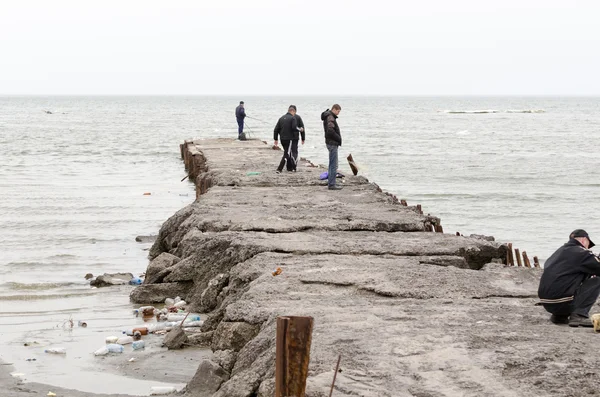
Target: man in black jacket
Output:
[
  {"x": 570, "y": 284},
  {"x": 333, "y": 140},
  {"x": 288, "y": 128}
]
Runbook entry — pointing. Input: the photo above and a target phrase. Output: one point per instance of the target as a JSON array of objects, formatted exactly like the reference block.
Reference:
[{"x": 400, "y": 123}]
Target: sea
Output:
[{"x": 81, "y": 177}]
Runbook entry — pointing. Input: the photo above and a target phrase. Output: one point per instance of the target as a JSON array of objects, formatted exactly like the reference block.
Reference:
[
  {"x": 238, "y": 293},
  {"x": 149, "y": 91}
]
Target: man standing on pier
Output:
[
  {"x": 240, "y": 115},
  {"x": 288, "y": 129},
  {"x": 333, "y": 140},
  {"x": 570, "y": 283}
]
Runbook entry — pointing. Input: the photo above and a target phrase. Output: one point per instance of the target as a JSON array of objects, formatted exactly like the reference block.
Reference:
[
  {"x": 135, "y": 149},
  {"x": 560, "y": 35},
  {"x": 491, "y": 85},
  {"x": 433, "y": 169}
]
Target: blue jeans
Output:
[
  {"x": 333, "y": 164},
  {"x": 240, "y": 126}
]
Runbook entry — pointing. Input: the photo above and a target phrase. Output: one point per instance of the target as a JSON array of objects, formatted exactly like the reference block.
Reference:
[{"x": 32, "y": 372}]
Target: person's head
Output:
[
  {"x": 336, "y": 109},
  {"x": 292, "y": 110},
  {"x": 583, "y": 237},
  {"x": 242, "y": 103}
]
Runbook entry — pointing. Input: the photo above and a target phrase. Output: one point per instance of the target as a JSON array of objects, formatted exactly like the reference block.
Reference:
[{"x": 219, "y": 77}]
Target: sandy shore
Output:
[{"x": 154, "y": 365}]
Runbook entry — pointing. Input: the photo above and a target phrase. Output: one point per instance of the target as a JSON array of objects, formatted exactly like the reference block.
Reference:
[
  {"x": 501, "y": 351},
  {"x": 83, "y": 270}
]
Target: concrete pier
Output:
[{"x": 412, "y": 312}]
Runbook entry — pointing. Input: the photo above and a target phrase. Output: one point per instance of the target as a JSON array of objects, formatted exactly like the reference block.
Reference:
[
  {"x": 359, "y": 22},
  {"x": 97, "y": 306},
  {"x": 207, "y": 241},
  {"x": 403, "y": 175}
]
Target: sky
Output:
[{"x": 275, "y": 47}]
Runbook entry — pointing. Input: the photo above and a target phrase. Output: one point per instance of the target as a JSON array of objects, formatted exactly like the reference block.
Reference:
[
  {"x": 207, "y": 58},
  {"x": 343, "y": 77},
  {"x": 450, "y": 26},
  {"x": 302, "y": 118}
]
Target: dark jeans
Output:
[
  {"x": 585, "y": 297},
  {"x": 290, "y": 154},
  {"x": 240, "y": 126},
  {"x": 333, "y": 164}
]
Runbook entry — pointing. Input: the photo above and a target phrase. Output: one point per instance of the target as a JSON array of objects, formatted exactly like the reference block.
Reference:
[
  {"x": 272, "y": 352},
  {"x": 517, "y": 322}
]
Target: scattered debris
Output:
[
  {"x": 147, "y": 194},
  {"x": 175, "y": 339},
  {"x": 89, "y": 276},
  {"x": 277, "y": 272},
  {"x": 56, "y": 350},
  {"x": 111, "y": 279}
]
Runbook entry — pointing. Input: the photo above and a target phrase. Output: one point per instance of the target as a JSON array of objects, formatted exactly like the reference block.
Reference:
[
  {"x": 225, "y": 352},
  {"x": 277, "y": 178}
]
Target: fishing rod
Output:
[{"x": 254, "y": 118}]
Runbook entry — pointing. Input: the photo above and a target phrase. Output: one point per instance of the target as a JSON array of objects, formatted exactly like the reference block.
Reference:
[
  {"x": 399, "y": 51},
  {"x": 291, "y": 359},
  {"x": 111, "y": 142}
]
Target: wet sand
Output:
[{"x": 153, "y": 367}]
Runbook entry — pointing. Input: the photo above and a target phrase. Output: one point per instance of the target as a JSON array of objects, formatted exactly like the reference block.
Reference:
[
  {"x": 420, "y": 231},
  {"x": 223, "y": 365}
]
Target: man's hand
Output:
[
  {"x": 303, "y": 142},
  {"x": 275, "y": 143},
  {"x": 302, "y": 130}
]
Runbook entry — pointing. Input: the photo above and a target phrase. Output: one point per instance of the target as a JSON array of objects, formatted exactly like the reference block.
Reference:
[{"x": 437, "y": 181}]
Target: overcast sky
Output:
[{"x": 279, "y": 47}]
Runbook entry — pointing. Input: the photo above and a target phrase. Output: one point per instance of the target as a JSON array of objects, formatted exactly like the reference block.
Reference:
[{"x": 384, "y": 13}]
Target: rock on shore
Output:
[{"x": 408, "y": 309}]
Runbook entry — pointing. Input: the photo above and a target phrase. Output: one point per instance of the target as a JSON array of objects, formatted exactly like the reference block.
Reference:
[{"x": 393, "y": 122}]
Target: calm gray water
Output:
[{"x": 72, "y": 184}]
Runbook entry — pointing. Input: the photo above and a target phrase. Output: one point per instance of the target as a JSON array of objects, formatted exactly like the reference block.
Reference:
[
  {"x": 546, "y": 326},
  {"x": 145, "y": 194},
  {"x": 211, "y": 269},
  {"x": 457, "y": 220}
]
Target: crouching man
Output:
[{"x": 569, "y": 285}]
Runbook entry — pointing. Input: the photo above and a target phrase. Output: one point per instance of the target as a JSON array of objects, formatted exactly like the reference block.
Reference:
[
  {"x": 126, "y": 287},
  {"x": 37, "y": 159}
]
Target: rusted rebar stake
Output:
[
  {"x": 526, "y": 259},
  {"x": 419, "y": 209},
  {"x": 352, "y": 164},
  {"x": 404, "y": 203},
  {"x": 518, "y": 255},
  {"x": 294, "y": 336},
  {"x": 510, "y": 261},
  {"x": 337, "y": 368},
  {"x": 536, "y": 261}
]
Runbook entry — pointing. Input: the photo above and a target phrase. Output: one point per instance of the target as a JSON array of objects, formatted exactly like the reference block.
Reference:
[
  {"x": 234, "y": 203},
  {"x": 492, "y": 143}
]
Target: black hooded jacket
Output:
[
  {"x": 286, "y": 128},
  {"x": 333, "y": 136},
  {"x": 566, "y": 269}
]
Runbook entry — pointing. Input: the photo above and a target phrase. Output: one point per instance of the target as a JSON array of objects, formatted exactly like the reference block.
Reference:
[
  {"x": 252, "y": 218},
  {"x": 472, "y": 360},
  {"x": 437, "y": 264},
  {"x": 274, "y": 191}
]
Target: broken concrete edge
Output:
[{"x": 220, "y": 333}]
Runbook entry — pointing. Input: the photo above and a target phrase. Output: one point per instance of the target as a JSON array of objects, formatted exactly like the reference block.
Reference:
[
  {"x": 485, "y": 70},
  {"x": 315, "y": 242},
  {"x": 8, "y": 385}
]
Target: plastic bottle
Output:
[
  {"x": 181, "y": 316},
  {"x": 159, "y": 390},
  {"x": 115, "y": 348},
  {"x": 191, "y": 324},
  {"x": 180, "y": 304},
  {"x": 136, "y": 281},
  {"x": 138, "y": 344},
  {"x": 177, "y": 299},
  {"x": 56, "y": 350},
  {"x": 103, "y": 351},
  {"x": 112, "y": 339},
  {"x": 169, "y": 302},
  {"x": 141, "y": 330},
  {"x": 125, "y": 340}
]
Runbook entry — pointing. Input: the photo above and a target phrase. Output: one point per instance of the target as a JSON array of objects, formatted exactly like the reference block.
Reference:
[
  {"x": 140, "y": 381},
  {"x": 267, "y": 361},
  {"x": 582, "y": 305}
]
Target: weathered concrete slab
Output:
[{"x": 405, "y": 307}]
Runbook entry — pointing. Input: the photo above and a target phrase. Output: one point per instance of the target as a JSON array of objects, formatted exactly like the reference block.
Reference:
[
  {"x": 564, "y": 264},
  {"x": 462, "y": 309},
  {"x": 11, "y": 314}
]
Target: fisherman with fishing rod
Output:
[{"x": 240, "y": 115}]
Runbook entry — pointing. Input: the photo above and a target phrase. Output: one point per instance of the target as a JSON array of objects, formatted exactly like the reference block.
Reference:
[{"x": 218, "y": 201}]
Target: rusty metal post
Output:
[
  {"x": 352, "y": 164},
  {"x": 526, "y": 259},
  {"x": 294, "y": 336},
  {"x": 419, "y": 209},
  {"x": 510, "y": 260},
  {"x": 518, "y": 255},
  {"x": 404, "y": 203},
  {"x": 536, "y": 261}
]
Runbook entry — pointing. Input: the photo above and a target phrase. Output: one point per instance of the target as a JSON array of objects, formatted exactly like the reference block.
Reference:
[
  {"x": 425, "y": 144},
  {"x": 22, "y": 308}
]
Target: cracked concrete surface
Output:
[{"x": 409, "y": 310}]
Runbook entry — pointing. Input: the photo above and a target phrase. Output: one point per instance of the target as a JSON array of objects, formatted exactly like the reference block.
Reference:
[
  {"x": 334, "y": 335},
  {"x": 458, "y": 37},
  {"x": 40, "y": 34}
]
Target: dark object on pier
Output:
[
  {"x": 510, "y": 260},
  {"x": 353, "y": 166},
  {"x": 536, "y": 261},
  {"x": 526, "y": 259},
  {"x": 518, "y": 255},
  {"x": 294, "y": 336}
]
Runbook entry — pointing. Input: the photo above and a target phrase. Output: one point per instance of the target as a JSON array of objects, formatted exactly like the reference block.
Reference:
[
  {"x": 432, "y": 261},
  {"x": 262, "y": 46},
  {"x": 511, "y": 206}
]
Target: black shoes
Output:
[
  {"x": 559, "y": 319},
  {"x": 335, "y": 188},
  {"x": 579, "y": 321}
]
